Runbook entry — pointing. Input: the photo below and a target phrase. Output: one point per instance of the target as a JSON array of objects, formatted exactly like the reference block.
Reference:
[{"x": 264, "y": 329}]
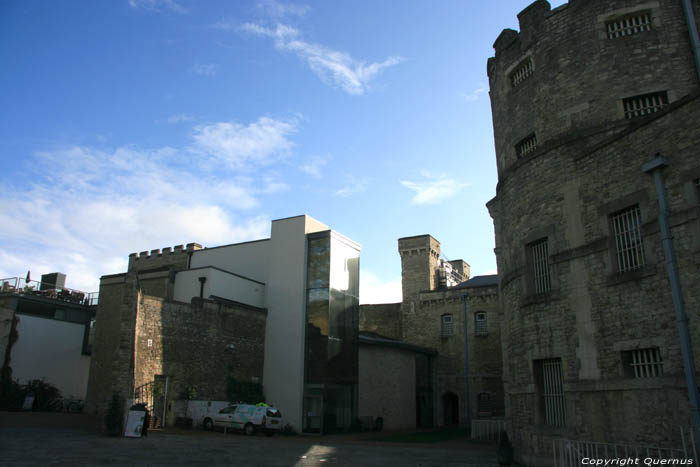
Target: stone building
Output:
[
  {"x": 282, "y": 311},
  {"x": 582, "y": 97},
  {"x": 431, "y": 316}
]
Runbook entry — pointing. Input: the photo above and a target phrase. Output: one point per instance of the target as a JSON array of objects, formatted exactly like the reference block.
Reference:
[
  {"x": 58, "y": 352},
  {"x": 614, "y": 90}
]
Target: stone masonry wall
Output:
[
  {"x": 587, "y": 166},
  {"x": 383, "y": 319},
  {"x": 198, "y": 345}
]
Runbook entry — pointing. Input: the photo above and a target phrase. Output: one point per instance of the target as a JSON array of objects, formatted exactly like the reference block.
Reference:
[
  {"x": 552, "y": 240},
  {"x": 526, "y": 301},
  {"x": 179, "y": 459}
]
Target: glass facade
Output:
[{"x": 332, "y": 321}]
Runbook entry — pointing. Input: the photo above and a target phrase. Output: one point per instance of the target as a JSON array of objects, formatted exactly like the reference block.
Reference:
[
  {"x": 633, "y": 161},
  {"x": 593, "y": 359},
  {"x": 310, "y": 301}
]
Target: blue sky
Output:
[{"x": 139, "y": 124}]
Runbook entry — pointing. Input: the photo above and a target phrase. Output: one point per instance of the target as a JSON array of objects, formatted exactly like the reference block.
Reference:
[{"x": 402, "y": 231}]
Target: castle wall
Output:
[{"x": 586, "y": 167}]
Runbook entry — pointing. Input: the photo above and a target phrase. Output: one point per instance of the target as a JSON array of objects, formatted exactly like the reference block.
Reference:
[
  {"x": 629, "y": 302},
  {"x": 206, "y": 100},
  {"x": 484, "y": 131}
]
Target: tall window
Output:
[
  {"x": 627, "y": 229},
  {"x": 643, "y": 363},
  {"x": 629, "y": 25},
  {"x": 481, "y": 325},
  {"x": 644, "y": 104},
  {"x": 550, "y": 389},
  {"x": 540, "y": 266},
  {"x": 446, "y": 325}
]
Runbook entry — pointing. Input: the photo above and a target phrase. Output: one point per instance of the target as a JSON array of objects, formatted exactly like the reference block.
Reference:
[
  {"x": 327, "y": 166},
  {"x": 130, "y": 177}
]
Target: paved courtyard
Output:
[{"x": 66, "y": 441}]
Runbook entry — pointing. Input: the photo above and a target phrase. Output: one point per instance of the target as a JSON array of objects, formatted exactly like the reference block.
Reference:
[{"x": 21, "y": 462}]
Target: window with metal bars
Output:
[
  {"x": 642, "y": 363},
  {"x": 627, "y": 230},
  {"x": 540, "y": 266},
  {"x": 645, "y": 104},
  {"x": 521, "y": 72},
  {"x": 629, "y": 25},
  {"x": 550, "y": 389},
  {"x": 526, "y": 145},
  {"x": 446, "y": 328},
  {"x": 481, "y": 325}
]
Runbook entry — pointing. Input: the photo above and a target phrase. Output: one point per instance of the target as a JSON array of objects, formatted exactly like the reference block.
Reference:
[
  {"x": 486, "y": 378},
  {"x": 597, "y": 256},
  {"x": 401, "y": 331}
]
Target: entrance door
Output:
[
  {"x": 450, "y": 409},
  {"x": 313, "y": 414}
]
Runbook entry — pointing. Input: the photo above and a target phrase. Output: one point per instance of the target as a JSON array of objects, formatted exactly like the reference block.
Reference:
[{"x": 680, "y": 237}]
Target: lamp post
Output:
[
  {"x": 466, "y": 361},
  {"x": 655, "y": 168}
]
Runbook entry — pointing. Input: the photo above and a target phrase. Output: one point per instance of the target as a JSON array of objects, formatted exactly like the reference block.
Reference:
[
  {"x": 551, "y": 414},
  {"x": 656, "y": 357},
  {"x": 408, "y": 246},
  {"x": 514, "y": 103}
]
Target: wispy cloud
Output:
[
  {"x": 334, "y": 67},
  {"x": 434, "y": 188},
  {"x": 88, "y": 208},
  {"x": 374, "y": 290},
  {"x": 238, "y": 145},
  {"x": 353, "y": 186},
  {"x": 157, "y": 5},
  {"x": 179, "y": 118},
  {"x": 278, "y": 10},
  {"x": 313, "y": 166},
  {"x": 474, "y": 95},
  {"x": 205, "y": 69}
]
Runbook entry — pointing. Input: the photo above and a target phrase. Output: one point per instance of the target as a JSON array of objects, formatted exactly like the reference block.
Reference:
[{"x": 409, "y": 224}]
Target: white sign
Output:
[{"x": 134, "y": 423}]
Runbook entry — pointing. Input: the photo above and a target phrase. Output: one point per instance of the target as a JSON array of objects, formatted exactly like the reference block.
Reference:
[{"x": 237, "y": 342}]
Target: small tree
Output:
[{"x": 114, "y": 420}]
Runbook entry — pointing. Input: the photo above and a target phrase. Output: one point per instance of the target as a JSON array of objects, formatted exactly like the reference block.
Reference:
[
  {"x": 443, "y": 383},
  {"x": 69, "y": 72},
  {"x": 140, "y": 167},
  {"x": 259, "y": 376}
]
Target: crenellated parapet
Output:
[{"x": 175, "y": 256}]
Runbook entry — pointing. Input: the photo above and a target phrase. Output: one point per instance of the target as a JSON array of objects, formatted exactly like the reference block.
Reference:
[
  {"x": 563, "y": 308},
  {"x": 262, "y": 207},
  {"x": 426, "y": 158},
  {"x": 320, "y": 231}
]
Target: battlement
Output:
[{"x": 155, "y": 258}]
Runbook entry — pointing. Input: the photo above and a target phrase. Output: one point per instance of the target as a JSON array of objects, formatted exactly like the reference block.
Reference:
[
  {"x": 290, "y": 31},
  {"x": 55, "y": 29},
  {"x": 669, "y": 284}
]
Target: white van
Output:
[{"x": 249, "y": 418}]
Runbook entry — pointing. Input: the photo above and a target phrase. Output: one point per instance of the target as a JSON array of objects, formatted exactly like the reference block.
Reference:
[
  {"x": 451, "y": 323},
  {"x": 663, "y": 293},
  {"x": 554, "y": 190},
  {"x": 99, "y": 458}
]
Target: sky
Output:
[{"x": 132, "y": 125}]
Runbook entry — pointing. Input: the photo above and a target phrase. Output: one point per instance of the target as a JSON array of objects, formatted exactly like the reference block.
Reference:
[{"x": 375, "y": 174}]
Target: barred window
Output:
[
  {"x": 629, "y": 25},
  {"x": 521, "y": 72},
  {"x": 627, "y": 229},
  {"x": 643, "y": 363},
  {"x": 550, "y": 388},
  {"x": 645, "y": 104},
  {"x": 526, "y": 145},
  {"x": 446, "y": 328},
  {"x": 481, "y": 325},
  {"x": 484, "y": 404},
  {"x": 540, "y": 266}
]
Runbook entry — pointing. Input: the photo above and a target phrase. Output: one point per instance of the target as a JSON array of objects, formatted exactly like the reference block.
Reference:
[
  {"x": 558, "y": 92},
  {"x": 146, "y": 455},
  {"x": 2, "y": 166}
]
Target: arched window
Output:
[
  {"x": 446, "y": 327},
  {"x": 481, "y": 324}
]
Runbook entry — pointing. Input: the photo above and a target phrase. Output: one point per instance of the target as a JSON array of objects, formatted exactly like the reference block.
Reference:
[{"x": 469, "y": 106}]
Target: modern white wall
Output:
[
  {"x": 283, "y": 377},
  {"x": 249, "y": 259},
  {"x": 51, "y": 350},
  {"x": 219, "y": 283}
]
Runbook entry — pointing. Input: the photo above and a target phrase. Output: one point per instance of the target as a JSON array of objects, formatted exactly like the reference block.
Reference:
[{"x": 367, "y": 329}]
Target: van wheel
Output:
[
  {"x": 208, "y": 424},
  {"x": 249, "y": 429}
]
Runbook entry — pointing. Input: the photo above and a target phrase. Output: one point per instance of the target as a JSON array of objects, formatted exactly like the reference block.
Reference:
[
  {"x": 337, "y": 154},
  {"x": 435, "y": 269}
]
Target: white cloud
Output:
[
  {"x": 237, "y": 145},
  {"x": 279, "y": 10},
  {"x": 313, "y": 166},
  {"x": 353, "y": 186},
  {"x": 86, "y": 209},
  {"x": 204, "y": 69},
  {"x": 374, "y": 290},
  {"x": 433, "y": 190},
  {"x": 157, "y": 5},
  {"x": 333, "y": 67}
]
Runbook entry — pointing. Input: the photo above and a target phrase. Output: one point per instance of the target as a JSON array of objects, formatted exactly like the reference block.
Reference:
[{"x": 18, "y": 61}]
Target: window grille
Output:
[
  {"x": 526, "y": 146},
  {"x": 481, "y": 325},
  {"x": 629, "y": 25},
  {"x": 446, "y": 329},
  {"x": 628, "y": 239},
  {"x": 551, "y": 389},
  {"x": 484, "y": 404},
  {"x": 521, "y": 73},
  {"x": 643, "y": 363},
  {"x": 540, "y": 266},
  {"x": 645, "y": 104}
]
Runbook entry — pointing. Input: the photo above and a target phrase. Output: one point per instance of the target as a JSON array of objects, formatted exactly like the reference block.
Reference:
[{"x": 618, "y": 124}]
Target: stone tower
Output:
[
  {"x": 419, "y": 264},
  {"x": 582, "y": 97}
]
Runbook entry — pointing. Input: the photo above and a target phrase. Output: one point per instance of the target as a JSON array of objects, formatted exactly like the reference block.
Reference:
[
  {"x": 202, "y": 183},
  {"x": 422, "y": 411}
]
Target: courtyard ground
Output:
[{"x": 55, "y": 439}]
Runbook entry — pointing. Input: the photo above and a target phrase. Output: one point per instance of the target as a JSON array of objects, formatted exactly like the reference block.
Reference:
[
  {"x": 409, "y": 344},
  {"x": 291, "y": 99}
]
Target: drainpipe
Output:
[
  {"x": 693, "y": 32},
  {"x": 655, "y": 168},
  {"x": 466, "y": 362},
  {"x": 202, "y": 280}
]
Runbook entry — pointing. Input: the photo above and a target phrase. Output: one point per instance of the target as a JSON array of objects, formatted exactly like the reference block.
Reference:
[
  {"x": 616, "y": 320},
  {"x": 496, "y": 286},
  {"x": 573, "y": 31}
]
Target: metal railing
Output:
[
  {"x": 487, "y": 429},
  {"x": 20, "y": 286},
  {"x": 570, "y": 453}
]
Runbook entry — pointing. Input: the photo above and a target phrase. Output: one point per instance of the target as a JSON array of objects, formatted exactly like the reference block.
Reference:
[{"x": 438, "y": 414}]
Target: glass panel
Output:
[{"x": 318, "y": 267}]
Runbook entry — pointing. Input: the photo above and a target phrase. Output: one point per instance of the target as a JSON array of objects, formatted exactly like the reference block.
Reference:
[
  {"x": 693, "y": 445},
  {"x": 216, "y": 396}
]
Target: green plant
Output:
[
  {"x": 11, "y": 394},
  {"x": 288, "y": 430},
  {"x": 114, "y": 419},
  {"x": 248, "y": 392},
  {"x": 45, "y": 393}
]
